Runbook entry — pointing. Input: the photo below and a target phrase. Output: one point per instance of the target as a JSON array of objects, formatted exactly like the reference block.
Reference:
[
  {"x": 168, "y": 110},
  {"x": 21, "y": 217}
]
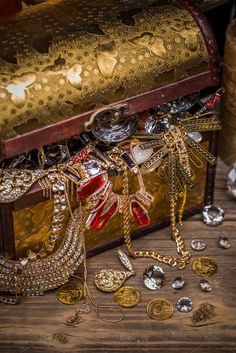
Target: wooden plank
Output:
[{"x": 37, "y": 324}]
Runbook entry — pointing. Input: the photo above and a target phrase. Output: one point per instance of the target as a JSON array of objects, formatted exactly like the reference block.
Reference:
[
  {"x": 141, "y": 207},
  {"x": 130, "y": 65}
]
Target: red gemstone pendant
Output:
[
  {"x": 106, "y": 213},
  {"x": 91, "y": 187},
  {"x": 140, "y": 214}
]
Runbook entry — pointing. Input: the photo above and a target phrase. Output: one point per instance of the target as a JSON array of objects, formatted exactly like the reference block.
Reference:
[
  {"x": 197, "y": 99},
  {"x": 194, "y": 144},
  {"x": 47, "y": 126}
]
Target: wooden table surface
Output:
[{"x": 37, "y": 324}]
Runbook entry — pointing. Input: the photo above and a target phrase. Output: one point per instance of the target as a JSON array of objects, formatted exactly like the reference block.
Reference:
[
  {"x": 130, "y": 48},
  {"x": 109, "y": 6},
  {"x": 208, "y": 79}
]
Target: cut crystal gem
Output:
[
  {"x": 178, "y": 283},
  {"x": 196, "y": 136},
  {"x": 198, "y": 245},
  {"x": 156, "y": 125},
  {"x": 212, "y": 215},
  {"x": 139, "y": 213},
  {"x": 154, "y": 277},
  {"x": 224, "y": 243},
  {"x": 92, "y": 186},
  {"x": 184, "y": 305},
  {"x": 205, "y": 285}
]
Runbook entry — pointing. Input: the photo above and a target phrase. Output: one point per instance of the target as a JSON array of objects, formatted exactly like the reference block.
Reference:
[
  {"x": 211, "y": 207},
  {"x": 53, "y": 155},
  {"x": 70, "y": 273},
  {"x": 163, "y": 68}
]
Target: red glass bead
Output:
[
  {"x": 140, "y": 215},
  {"x": 92, "y": 186},
  {"x": 100, "y": 222}
]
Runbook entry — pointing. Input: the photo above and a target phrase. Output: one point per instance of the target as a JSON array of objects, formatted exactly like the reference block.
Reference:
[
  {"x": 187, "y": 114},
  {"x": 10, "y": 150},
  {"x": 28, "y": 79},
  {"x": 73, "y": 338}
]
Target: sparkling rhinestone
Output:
[
  {"x": 178, "y": 283},
  {"x": 224, "y": 243},
  {"x": 156, "y": 125},
  {"x": 184, "y": 305},
  {"x": 154, "y": 277},
  {"x": 212, "y": 215},
  {"x": 93, "y": 167},
  {"x": 24, "y": 262},
  {"x": 198, "y": 245},
  {"x": 141, "y": 155},
  {"x": 196, "y": 136},
  {"x": 205, "y": 285},
  {"x": 231, "y": 183}
]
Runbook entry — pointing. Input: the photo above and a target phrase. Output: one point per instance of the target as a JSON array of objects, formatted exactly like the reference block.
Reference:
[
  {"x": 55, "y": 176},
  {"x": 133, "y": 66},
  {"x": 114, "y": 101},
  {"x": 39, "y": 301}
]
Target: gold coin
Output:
[
  {"x": 159, "y": 309},
  {"x": 204, "y": 267},
  {"x": 127, "y": 297},
  {"x": 70, "y": 294}
]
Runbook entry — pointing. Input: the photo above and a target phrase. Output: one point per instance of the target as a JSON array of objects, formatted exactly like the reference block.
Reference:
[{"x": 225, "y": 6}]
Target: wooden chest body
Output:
[{"x": 143, "y": 55}]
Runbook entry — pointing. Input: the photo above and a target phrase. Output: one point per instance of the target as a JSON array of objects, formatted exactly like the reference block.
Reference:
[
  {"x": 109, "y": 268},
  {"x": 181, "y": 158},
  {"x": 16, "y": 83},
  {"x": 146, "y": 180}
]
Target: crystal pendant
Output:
[
  {"x": 157, "y": 124},
  {"x": 231, "y": 183},
  {"x": 212, "y": 215},
  {"x": 198, "y": 245},
  {"x": 140, "y": 214},
  {"x": 178, "y": 283},
  {"x": 91, "y": 187},
  {"x": 184, "y": 305},
  {"x": 196, "y": 136},
  {"x": 141, "y": 155},
  {"x": 100, "y": 221},
  {"x": 154, "y": 277},
  {"x": 205, "y": 285},
  {"x": 224, "y": 242}
]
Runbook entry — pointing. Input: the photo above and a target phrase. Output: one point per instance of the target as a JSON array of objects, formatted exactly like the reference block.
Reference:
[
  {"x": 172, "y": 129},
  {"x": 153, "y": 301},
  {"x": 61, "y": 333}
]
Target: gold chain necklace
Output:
[{"x": 181, "y": 261}]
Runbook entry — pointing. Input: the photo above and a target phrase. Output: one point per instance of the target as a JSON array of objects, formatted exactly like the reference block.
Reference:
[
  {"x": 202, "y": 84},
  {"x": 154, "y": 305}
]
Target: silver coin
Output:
[
  {"x": 178, "y": 283},
  {"x": 224, "y": 242},
  {"x": 198, "y": 245},
  {"x": 205, "y": 285},
  {"x": 154, "y": 277},
  {"x": 212, "y": 215},
  {"x": 184, "y": 305}
]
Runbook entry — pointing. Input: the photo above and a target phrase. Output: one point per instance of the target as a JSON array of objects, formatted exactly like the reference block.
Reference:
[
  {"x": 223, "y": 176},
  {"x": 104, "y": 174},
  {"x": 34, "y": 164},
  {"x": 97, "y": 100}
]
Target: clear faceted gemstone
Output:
[
  {"x": 178, "y": 283},
  {"x": 93, "y": 167},
  {"x": 198, "y": 245},
  {"x": 205, "y": 285},
  {"x": 184, "y": 305},
  {"x": 224, "y": 243},
  {"x": 212, "y": 215},
  {"x": 156, "y": 125},
  {"x": 231, "y": 183},
  {"x": 154, "y": 277},
  {"x": 141, "y": 155}
]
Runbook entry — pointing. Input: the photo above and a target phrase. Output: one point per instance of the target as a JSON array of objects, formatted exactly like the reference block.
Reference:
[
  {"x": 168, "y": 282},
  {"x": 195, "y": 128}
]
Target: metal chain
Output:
[{"x": 179, "y": 262}]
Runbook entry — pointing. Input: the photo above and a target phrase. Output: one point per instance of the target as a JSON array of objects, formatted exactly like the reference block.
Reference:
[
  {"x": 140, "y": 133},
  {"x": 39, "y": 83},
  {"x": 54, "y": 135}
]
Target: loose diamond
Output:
[
  {"x": 184, "y": 305},
  {"x": 154, "y": 277},
  {"x": 205, "y": 285},
  {"x": 198, "y": 245},
  {"x": 224, "y": 243},
  {"x": 212, "y": 215},
  {"x": 178, "y": 283}
]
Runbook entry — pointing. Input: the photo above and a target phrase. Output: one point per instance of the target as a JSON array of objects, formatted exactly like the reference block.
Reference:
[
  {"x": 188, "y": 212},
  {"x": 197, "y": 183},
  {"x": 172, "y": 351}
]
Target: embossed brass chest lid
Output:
[{"x": 66, "y": 57}]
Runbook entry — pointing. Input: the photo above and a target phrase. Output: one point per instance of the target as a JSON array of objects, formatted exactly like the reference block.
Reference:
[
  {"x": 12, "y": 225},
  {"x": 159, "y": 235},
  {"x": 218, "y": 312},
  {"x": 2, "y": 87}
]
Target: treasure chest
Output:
[{"x": 96, "y": 71}]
